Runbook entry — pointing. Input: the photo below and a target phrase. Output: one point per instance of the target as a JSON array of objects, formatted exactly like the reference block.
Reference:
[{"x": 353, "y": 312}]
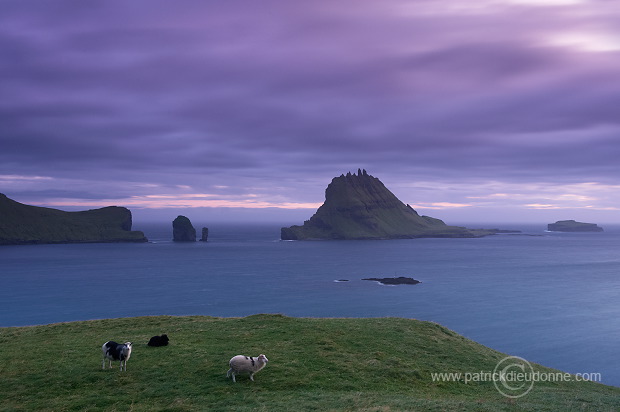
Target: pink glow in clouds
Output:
[{"x": 260, "y": 104}]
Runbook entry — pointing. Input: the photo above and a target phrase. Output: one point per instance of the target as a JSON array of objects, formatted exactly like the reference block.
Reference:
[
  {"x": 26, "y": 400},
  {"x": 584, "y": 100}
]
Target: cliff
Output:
[
  {"x": 361, "y": 207},
  {"x": 573, "y": 226},
  {"x": 24, "y": 224}
]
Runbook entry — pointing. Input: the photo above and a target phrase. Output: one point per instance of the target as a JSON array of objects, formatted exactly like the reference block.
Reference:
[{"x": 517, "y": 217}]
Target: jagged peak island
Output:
[
  {"x": 359, "y": 206},
  {"x": 26, "y": 224}
]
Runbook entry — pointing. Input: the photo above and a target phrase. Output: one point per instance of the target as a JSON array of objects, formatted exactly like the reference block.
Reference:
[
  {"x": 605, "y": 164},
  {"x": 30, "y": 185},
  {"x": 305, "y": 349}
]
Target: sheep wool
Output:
[{"x": 246, "y": 364}]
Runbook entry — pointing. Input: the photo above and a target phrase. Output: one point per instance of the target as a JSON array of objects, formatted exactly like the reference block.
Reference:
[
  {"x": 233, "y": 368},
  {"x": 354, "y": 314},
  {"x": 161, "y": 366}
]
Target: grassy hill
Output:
[{"x": 374, "y": 364}]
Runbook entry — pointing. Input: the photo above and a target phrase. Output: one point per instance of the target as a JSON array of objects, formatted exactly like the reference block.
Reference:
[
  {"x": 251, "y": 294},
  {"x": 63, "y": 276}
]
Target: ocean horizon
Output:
[{"x": 548, "y": 297}]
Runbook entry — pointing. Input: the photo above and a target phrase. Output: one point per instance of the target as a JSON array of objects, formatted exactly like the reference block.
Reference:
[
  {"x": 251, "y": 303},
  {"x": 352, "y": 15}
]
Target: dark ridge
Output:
[{"x": 25, "y": 224}]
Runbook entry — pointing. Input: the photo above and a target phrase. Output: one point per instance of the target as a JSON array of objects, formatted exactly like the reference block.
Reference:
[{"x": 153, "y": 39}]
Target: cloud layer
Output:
[{"x": 257, "y": 104}]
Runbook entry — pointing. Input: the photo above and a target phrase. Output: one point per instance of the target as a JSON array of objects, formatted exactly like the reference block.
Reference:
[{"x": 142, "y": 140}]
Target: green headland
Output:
[{"x": 368, "y": 364}]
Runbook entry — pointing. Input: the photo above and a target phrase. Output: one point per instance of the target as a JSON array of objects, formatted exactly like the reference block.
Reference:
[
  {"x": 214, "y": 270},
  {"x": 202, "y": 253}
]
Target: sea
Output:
[{"x": 551, "y": 298}]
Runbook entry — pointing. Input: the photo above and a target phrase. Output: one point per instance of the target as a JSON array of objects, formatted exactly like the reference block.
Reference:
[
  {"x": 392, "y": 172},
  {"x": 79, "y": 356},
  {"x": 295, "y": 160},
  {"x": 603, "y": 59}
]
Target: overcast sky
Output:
[{"x": 484, "y": 110}]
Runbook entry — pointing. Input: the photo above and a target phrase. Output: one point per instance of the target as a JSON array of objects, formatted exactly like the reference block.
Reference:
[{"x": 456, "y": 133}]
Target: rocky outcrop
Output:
[
  {"x": 401, "y": 280},
  {"x": 25, "y": 224},
  {"x": 182, "y": 230},
  {"x": 359, "y": 206},
  {"x": 205, "y": 234},
  {"x": 573, "y": 226}
]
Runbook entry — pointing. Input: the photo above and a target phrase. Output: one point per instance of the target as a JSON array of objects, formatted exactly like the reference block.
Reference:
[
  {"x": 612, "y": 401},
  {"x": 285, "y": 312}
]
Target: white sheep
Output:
[
  {"x": 113, "y": 351},
  {"x": 246, "y": 364}
]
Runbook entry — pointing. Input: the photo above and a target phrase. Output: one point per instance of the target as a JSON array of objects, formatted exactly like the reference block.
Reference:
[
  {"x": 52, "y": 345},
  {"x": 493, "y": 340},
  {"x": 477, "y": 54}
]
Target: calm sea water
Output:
[{"x": 552, "y": 298}]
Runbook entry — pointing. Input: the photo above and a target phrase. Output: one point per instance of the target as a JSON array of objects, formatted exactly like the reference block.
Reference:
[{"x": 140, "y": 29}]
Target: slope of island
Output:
[
  {"x": 359, "y": 206},
  {"x": 25, "y": 224}
]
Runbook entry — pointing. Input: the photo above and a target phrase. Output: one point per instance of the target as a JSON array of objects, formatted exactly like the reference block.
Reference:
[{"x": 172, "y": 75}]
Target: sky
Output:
[{"x": 469, "y": 111}]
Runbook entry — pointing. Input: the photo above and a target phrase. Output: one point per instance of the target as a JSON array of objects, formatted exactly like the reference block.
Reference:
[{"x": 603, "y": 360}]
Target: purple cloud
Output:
[{"x": 272, "y": 99}]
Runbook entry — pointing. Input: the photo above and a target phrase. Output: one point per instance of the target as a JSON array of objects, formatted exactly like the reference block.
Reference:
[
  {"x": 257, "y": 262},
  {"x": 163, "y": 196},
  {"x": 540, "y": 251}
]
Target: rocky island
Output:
[
  {"x": 25, "y": 224},
  {"x": 359, "y": 206},
  {"x": 573, "y": 226},
  {"x": 183, "y": 230},
  {"x": 401, "y": 280}
]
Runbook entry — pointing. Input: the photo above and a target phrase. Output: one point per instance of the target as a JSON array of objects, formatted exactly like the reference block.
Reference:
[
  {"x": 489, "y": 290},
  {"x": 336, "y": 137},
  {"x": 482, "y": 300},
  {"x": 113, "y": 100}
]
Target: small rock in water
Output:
[{"x": 401, "y": 280}]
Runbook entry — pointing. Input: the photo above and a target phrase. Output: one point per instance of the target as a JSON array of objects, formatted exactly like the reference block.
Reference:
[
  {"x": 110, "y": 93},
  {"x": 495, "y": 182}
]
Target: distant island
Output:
[
  {"x": 359, "y": 206},
  {"x": 25, "y": 224},
  {"x": 573, "y": 226}
]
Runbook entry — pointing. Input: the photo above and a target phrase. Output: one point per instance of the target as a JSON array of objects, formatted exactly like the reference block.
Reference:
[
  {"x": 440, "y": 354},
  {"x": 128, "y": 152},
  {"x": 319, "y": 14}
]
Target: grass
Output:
[{"x": 374, "y": 364}]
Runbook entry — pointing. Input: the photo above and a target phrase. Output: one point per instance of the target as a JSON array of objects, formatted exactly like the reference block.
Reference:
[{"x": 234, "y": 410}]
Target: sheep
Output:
[
  {"x": 159, "y": 340},
  {"x": 240, "y": 364},
  {"x": 117, "y": 352}
]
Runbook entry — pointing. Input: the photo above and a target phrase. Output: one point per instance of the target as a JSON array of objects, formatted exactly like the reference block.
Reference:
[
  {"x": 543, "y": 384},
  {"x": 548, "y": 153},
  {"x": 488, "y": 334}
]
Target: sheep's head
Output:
[
  {"x": 128, "y": 344},
  {"x": 262, "y": 358}
]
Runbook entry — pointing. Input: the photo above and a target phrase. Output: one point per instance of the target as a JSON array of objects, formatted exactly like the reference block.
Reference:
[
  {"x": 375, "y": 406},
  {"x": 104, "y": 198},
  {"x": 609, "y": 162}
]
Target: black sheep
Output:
[{"x": 159, "y": 340}]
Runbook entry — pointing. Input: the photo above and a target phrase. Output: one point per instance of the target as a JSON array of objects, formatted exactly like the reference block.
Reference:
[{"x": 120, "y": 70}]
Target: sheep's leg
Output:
[
  {"x": 228, "y": 373},
  {"x": 233, "y": 377},
  {"x": 252, "y": 376}
]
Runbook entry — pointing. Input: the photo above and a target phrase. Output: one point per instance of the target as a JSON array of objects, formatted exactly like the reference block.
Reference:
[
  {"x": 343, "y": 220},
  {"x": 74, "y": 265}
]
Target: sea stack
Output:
[
  {"x": 359, "y": 206},
  {"x": 25, "y": 224},
  {"x": 573, "y": 226},
  {"x": 182, "y": 230},
  {"x": 205, "y": 234}
]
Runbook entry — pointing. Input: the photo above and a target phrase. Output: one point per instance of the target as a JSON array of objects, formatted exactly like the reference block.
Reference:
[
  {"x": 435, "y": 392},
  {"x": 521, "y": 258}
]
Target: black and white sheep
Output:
[
  {"x": 246, "y": 364},
  {"x": 159, "y": 340},
  {"x": 113, "y": 351}
]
